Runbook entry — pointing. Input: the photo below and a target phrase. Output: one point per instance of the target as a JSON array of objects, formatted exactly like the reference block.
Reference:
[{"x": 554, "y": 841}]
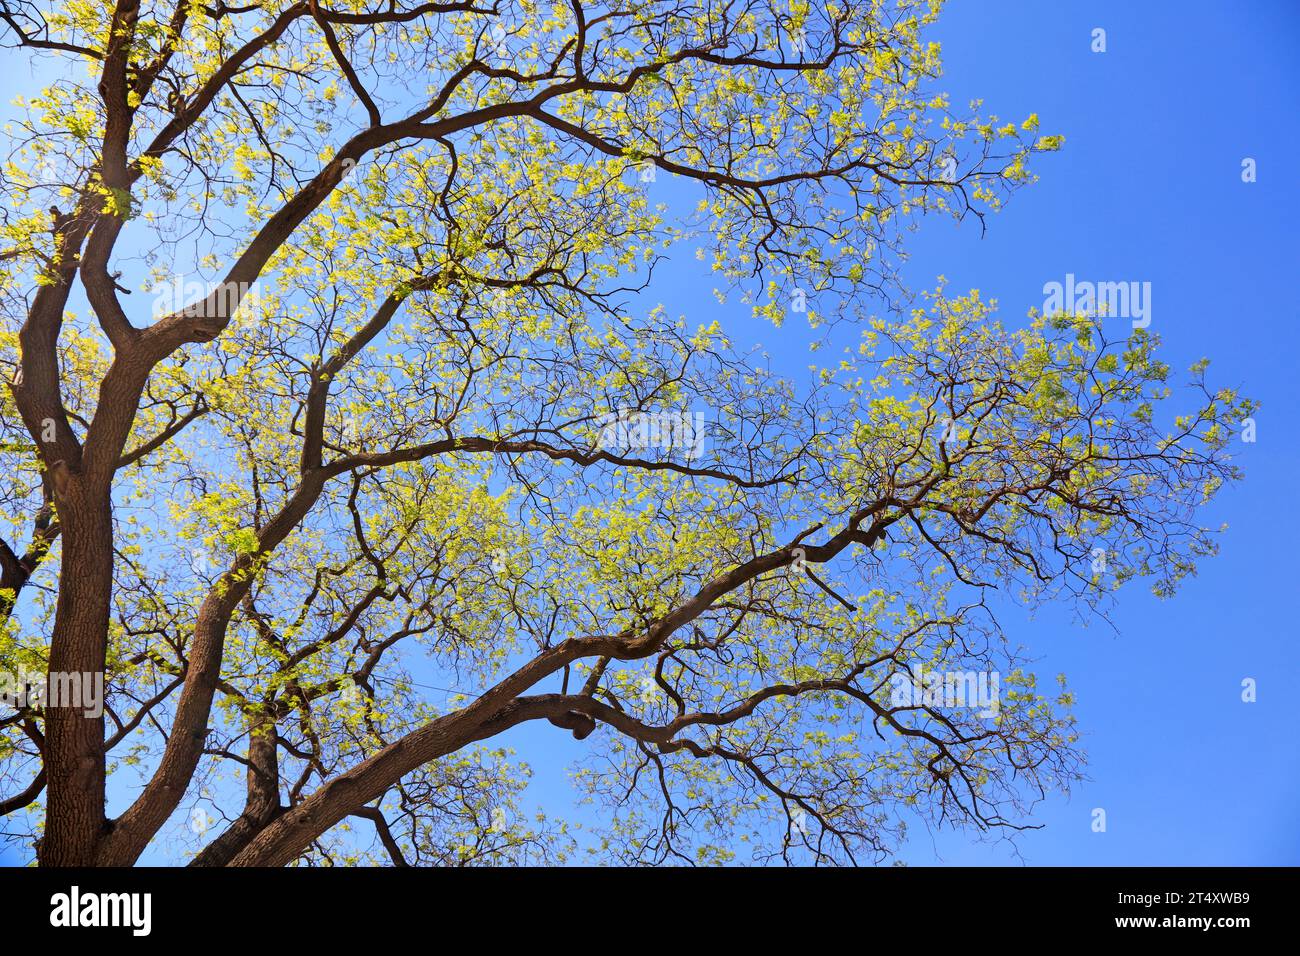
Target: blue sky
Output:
[{"x": 1147, "y": 188}]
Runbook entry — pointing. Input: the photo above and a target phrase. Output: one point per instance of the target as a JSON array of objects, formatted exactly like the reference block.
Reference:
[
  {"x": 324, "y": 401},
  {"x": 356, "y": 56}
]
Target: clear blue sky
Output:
[{"x": 1147, "y": 188}]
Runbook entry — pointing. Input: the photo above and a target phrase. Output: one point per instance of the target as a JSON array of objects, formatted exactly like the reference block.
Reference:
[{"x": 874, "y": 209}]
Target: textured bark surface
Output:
[{"x": 74, "y": 764}]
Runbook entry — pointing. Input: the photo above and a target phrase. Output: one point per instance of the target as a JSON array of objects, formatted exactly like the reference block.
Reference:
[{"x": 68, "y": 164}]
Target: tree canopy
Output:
[{"x": 315, "y": 320}]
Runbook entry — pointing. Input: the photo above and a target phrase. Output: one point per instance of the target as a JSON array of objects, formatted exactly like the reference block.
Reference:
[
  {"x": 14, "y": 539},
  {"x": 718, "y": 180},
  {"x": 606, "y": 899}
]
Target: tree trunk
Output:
[
  {"x": 262, "y": 805},
  {"x": 74, "y": 743}
]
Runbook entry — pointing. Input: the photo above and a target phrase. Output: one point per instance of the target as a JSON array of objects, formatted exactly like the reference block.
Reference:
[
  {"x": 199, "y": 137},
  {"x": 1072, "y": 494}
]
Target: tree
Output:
[{"x": 421, "y": 422}]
